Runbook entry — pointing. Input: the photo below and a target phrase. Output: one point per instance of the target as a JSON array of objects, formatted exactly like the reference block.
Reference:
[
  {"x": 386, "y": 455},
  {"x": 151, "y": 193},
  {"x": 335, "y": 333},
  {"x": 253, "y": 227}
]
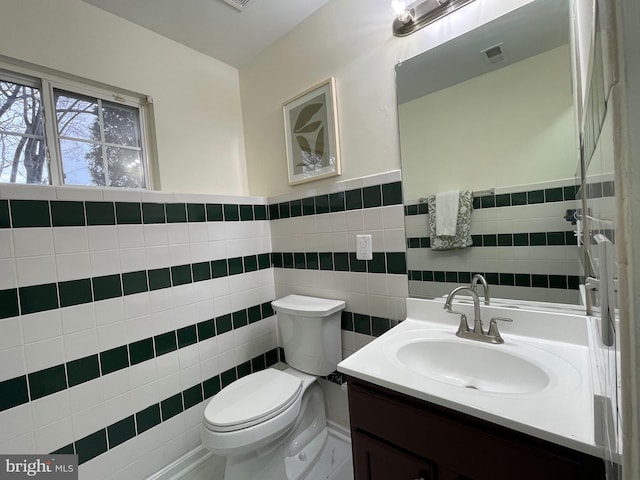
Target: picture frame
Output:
[{"x": 311, "y": 134}]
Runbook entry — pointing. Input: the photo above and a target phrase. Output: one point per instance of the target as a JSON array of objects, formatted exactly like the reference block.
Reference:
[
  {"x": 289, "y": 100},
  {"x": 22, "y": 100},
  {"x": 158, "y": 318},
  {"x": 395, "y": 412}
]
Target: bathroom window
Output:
[{"x": 92, "y": 137}]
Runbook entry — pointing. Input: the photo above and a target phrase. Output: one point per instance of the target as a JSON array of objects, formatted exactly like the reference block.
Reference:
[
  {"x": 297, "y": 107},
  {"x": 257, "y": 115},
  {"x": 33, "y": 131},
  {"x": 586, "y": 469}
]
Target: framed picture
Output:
[{"x": 311, "y": 134}]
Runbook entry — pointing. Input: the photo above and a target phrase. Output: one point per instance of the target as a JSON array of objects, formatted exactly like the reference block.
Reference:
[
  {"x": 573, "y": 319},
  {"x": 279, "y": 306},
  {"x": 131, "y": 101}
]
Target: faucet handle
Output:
[
  {"x": 493, "y": 327},
  {"x": 464, "y": 325}
]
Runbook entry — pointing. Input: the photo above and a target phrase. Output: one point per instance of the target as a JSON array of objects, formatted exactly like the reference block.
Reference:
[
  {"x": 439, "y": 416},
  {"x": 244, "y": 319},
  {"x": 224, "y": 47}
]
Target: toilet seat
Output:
[{"x": 252, "y": 400}]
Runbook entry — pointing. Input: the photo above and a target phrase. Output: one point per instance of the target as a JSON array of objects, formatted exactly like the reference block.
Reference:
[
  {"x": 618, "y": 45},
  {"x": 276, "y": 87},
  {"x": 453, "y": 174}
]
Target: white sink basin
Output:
[
  {"x": 537, "y": 382},
  {"x": 474, "y": 366},
  {"x": 512, "y": 368}
]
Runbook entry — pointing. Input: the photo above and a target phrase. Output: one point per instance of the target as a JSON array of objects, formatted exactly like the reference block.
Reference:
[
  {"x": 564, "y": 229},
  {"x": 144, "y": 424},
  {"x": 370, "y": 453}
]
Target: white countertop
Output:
[{"x": 562, "y": 413}]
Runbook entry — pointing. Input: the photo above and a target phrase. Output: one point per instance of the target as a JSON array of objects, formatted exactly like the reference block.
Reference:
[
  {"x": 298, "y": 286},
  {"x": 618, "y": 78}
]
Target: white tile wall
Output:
[
  {"x": 548, "y": 260},
  {"x": 40, "y": 340}
]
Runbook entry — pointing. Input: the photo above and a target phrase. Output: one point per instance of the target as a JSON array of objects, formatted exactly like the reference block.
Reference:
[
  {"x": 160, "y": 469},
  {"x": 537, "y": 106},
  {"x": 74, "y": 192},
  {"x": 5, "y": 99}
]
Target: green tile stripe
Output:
[
  {"x": 366, "y": 324},
  {"x": 596, "y": 190},
  {"x": 50, "y": 296},
  {"x": 57, "y": 213},
  {"x": 561, "y": 282},
  {"x": 529, "y": 197},
  {"x": 531, "y": 239},
  {"x": 19, "y": 390},
  {"x": 99, "y": 442},
  {"x": 382, "y": 262},
  {"x": 363, "y": 324},
  {"x": 381, "y": 195}
]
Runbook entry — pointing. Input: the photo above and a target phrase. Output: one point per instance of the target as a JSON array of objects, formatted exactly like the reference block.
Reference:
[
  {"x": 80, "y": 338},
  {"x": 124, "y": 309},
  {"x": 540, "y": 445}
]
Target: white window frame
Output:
[{"x": 46, "y": 82}]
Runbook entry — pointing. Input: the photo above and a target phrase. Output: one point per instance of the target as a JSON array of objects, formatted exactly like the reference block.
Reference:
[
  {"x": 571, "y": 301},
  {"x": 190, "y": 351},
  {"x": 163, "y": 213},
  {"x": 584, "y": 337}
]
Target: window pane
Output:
[
  {"x": 77, "y": 116},
  {"x": 82, "y": 163},
  {"x": 125, "y": 168},
  {"x": 121, "y": 124},
  {"x": 23, "y": 160},
  {"x": 22, "y": 153}
]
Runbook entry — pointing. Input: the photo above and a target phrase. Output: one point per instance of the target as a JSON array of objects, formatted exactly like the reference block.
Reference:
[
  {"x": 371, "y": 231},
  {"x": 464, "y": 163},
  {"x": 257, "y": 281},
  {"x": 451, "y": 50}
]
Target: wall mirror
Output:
[{"x": 492, "y": 111}]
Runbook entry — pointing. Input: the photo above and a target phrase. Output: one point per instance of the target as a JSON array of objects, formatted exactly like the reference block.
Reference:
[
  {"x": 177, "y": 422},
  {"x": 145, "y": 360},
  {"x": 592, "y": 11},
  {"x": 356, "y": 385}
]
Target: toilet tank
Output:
[{"x": 309, "y": 329}]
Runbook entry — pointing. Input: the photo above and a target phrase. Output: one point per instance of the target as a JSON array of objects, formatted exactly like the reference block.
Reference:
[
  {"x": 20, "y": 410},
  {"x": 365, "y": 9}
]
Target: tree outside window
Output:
[{"x": 97, "y": 141}]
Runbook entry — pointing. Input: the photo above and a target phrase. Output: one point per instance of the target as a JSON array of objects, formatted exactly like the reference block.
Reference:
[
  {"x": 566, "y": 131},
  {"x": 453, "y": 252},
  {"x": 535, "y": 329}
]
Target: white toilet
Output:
[{"x": 271, "y": 424}]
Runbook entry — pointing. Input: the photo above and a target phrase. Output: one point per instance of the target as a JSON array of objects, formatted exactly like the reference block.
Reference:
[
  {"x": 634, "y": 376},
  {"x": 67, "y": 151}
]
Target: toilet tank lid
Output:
[{"x": 307, "y": 306}]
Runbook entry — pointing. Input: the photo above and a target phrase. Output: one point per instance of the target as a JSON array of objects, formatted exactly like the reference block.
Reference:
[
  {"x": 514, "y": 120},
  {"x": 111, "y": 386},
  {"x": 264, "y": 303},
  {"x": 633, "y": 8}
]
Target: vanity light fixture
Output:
[
  {"x": 402, "y": 12},
  {"x": 419, "y": 14}
]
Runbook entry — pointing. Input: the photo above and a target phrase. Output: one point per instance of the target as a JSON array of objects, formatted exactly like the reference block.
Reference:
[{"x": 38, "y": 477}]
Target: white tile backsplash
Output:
[
  {"x": 6, "y": 244},
  {"x": 111, "y": 335},
  {"x": 41, "y": 326},
  {"x": 20, "y": 445},
  {"x": 155, "y": 235},
  {"x": 90, "y": 420},
  {"x": 105, "y": 262},
  {"x": 49, "y": 438},
  {"x": 15, "y": 422},
  {"x": 69, "y": 193},
  {"x": 103, "y": 237},
  {"x": 11, "y": 329},
  {"x": 44, "y": 354},
  {"x": 198, "y": 232},
  {"x": 29, "y": 242},
  {"x": 137, "y": 305},
  {"x": 36, "y": 270},
  {"x": 27, "y": 192},
  {"x": 83, "y": 330},
  {"x": 131, "y": 236},
  {"x": 73, "y": 266},
  {"x": 8, "y": 274},
  {"x": 70, "y": 240},
  {"x": 158, "y": 257},
  {"x": 12, "y": 363},
  {"x": 51, "y": 408}
]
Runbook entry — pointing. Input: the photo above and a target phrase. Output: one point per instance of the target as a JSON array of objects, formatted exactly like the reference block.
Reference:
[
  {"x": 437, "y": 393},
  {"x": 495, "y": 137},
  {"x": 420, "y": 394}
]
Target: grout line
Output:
[
  {"x": 86, "y": 447},
  {"x": 532, "y": 280},
  {"x": 30, "y": 379}
]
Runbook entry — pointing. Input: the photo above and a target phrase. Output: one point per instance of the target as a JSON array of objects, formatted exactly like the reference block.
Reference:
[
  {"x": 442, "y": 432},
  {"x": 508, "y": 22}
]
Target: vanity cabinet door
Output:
[
  {"x": 411, "y": 432},
  {"x": 374, "y": 460}
]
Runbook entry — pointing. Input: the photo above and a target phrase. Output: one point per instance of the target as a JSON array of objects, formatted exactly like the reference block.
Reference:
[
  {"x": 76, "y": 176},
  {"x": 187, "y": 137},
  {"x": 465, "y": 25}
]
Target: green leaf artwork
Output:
[
  {"x": 310, "y": 127},
  {"x": 304, "y": 125},
  {"x": 305, "y": 116},
  {"x": 320, "y": 143},
  {"x": 303, "y": 144}
]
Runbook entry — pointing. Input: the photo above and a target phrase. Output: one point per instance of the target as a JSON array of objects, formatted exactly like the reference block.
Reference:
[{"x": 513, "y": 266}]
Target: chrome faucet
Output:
[
  {"x": 478, "y": 333},
  {"x": 477, "y": 278}
]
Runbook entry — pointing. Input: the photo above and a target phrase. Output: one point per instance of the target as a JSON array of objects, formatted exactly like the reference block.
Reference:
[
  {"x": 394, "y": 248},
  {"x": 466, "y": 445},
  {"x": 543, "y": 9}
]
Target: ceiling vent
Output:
[
  {"x": 493, "y": 54},
  {"x": 239, "y": 4}
]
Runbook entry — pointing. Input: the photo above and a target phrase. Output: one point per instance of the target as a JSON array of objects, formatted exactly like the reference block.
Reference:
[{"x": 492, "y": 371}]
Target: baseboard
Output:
[
  {"x": 185, "y": 464},
  {"x": 193, "y": 459}
]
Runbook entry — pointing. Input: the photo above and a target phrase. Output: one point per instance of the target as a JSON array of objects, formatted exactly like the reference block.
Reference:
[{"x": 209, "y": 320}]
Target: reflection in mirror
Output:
[{"x": 492, "y": 112}]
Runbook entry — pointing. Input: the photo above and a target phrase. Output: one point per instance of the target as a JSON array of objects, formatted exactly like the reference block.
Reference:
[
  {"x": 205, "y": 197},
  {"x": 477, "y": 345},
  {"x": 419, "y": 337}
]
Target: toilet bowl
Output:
[{"x": 271, "y": 424}]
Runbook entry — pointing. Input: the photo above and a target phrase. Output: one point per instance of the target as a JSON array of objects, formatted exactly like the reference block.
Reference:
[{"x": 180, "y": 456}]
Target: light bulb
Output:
[{"x": 401, "y": 11}]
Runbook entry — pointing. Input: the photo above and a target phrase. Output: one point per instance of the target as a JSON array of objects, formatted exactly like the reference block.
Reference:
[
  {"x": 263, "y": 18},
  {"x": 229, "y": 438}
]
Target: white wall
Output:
[
  {"x": 351, "y": 41},
  {"x": 477, "y": 140},
  {"x": 628, "y": 178},
  {"x": 197, "y": 100},
  {"x": 583, "y": 11}
]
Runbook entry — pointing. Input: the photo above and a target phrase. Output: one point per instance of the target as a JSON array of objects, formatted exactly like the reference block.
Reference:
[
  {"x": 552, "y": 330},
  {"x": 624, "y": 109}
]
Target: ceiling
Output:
[
  {"x": 212, "y": 26},
  {"x": 529, "y": 30}
]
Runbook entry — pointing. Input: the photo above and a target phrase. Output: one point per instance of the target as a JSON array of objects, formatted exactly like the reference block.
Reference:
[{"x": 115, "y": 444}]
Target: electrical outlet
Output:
[{"x": 364, "y": 249}]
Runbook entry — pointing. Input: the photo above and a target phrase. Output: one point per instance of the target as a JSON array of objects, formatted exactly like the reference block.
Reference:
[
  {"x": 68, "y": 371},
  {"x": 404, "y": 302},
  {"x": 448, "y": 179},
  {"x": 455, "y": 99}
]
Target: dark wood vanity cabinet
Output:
[{"x": 397, "y": 437}]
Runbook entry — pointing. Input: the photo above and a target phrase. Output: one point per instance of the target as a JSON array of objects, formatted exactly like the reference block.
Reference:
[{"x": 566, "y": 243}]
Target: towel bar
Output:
[{"x": 475, "y": 193}]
